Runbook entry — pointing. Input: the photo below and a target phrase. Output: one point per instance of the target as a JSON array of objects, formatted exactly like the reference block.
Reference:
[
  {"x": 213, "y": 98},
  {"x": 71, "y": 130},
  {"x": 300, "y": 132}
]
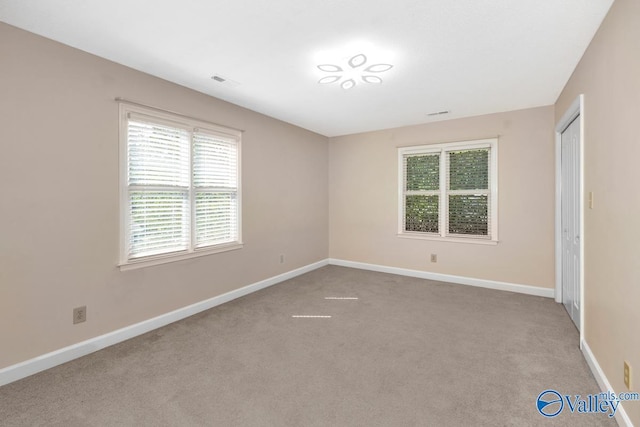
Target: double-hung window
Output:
[
  {"x": 449, "y": 191},
  {"x": 180, "y": 187}
]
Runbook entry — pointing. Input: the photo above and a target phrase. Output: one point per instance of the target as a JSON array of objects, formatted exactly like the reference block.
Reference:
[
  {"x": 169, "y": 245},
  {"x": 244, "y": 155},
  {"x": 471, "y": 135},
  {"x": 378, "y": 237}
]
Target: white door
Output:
[{"x": 570, "y": 205}]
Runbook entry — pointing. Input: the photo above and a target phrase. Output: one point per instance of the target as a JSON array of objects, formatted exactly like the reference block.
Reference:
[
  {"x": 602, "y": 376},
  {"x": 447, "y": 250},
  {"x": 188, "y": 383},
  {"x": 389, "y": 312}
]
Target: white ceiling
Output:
[{"x": 469, "y": 56}]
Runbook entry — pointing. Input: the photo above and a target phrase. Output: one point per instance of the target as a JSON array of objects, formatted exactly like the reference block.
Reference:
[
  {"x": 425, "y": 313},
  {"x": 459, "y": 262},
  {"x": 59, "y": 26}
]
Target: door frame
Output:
[{"x": 576, "y": 110}]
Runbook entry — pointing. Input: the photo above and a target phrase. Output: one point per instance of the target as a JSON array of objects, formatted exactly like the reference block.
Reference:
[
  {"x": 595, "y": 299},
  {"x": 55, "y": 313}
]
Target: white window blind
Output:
[
  {"x": 158, "y": 188},
  {"x": 422, "y": 192},
  {"x": 468, "y": 192},
  {"x": 449, "y": 190},
  {"x": 180, "y": 187},
  {"x": 215, "y": 179}
]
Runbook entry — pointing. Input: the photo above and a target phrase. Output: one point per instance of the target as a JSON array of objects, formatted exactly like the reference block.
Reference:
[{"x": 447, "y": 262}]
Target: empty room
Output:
[{"x": 326, "y": 213}]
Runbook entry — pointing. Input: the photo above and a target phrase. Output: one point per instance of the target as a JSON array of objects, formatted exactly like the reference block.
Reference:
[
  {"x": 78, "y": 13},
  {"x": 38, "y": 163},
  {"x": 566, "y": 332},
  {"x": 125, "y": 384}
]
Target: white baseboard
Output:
[
  {"x": 29, "y": 367},
  {"x": 491, "y": 284},
  {"x": 621, "y": 415}
]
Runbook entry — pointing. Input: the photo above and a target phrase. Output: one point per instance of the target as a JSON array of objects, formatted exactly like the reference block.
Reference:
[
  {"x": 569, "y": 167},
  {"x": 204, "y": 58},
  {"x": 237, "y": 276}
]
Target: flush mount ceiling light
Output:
[{"x": 353, "y": 72}]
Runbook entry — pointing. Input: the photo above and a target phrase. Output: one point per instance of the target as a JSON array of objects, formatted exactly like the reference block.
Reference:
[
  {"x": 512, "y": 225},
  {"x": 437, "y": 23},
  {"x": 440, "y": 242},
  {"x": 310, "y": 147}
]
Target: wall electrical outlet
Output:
[
  {"x": 80, "y": 314},
  {"x": 627, "y": 375},
  {"x": 281, "y": 258},
  {"x": 434, "y": 257}
]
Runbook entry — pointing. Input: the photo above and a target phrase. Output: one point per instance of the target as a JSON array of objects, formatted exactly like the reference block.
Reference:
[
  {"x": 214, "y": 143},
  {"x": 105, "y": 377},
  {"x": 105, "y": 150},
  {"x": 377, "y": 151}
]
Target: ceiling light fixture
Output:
[
  {"x": 330, "y": 68},
  {"x": 353, "y": 72},
  {"x": 348, "y": 84},
  {"x": 329, "y": 79}
]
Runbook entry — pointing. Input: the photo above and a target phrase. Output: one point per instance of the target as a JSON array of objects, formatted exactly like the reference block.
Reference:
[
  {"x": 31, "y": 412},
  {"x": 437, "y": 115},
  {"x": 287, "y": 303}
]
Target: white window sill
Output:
[
  {"x": 472, "y": 240},
  {"x": 166, "y": 258}
]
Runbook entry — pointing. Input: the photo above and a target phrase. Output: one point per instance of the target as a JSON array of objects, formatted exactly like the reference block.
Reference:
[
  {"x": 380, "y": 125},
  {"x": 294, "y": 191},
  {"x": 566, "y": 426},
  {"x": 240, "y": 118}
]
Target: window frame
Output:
[
  {"x": 443, "y": 192},
  {"x": 192, "y": 125}
]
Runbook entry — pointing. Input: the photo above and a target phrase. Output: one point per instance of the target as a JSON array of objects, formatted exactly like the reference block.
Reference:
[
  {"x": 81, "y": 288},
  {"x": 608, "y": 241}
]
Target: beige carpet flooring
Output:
[{"x": 407, "y": 352}]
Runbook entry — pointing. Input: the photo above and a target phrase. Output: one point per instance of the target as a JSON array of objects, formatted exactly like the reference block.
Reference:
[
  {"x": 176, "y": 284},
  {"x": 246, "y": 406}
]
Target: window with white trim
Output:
[
  {"x": 180, "y": 187},
  {"x": 449, "y": 191}
]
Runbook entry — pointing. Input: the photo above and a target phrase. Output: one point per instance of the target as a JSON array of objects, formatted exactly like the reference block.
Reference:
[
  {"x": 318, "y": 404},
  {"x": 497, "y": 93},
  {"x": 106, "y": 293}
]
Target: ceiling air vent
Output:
[
  {"x": 439, "y": 113},
  {"x": 224, "y": 81}
]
